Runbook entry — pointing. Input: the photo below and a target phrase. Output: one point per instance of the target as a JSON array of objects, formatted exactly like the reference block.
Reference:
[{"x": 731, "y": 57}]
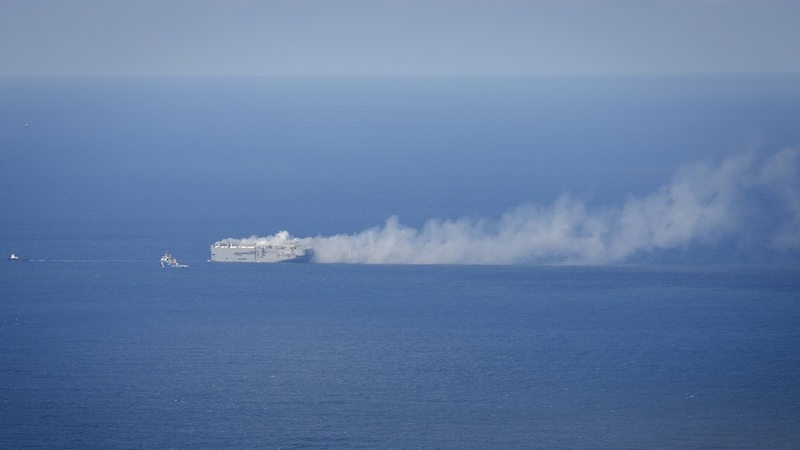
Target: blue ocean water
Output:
[
  {"x": 100, "y": 348},
  {"x": 122, "y": 354}
]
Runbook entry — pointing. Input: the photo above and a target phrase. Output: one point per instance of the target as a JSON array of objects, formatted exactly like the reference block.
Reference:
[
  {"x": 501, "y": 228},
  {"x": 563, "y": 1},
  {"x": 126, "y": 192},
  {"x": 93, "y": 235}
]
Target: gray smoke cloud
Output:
[{"x": 703, "y": 203}]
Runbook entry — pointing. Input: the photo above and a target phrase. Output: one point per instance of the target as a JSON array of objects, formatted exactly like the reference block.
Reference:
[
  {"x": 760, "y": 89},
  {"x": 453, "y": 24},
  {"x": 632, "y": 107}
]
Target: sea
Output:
[{"x": 692, "y": 342}]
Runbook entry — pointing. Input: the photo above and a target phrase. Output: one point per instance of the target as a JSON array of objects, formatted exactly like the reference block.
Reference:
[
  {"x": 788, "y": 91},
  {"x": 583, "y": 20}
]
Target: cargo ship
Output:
[{"x": 260, "y": 252}]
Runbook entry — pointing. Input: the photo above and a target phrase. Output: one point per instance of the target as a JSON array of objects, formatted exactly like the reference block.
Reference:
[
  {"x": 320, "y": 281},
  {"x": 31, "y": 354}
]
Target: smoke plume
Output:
[{"x": 702, "y": 204}]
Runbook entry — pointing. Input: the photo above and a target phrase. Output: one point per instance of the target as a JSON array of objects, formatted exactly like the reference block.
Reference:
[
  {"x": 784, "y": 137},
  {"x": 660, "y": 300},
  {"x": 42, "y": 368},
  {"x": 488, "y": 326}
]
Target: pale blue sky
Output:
[{"x": 251, "y": 37}]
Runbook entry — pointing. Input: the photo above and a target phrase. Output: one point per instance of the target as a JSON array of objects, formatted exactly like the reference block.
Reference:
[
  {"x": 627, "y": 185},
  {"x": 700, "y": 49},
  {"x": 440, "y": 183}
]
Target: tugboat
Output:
[{"x": 169, "y": 262}]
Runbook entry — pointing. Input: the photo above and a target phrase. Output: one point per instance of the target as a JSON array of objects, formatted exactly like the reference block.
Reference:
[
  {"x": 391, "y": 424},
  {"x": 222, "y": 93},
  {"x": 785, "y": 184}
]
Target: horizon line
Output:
[{"x": 395, "y": 75}]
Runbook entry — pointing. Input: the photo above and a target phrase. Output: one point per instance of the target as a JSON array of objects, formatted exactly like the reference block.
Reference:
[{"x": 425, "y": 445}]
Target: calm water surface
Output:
[{"x": 123, "y": 354}]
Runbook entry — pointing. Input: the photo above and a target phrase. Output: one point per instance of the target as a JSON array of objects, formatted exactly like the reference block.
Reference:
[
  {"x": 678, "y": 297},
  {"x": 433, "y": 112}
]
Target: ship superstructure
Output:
[
  {"x": 259, "y": 252},
  {"x": 170, "y": 262}
]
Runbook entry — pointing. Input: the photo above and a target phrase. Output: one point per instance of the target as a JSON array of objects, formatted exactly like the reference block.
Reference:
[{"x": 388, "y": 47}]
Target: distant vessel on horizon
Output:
[{"x": 170, "y": 262}]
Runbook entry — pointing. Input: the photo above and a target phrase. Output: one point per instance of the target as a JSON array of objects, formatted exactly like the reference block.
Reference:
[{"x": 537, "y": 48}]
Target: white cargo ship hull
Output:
[{"x": 269, "y": 253}]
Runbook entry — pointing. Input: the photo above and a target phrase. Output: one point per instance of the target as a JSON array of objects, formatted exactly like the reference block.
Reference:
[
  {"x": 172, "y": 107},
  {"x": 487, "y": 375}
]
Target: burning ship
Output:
[{"x": 278, "y": 248}]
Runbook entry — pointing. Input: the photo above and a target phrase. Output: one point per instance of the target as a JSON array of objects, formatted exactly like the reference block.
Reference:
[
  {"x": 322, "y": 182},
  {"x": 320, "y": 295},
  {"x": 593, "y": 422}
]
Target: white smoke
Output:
[
  {"x": 780, "y": 176},
  {"x": 702, "y": 204},
  {"x": 280, "y": 238}
]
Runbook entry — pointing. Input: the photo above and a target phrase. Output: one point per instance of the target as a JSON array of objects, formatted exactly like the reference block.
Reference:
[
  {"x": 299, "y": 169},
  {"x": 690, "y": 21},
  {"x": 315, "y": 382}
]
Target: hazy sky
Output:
[{"x": 176, "y": 37}]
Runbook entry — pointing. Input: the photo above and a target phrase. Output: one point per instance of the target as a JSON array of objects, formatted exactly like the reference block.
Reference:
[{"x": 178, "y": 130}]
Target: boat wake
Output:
[{"x": 85, "y": 261}]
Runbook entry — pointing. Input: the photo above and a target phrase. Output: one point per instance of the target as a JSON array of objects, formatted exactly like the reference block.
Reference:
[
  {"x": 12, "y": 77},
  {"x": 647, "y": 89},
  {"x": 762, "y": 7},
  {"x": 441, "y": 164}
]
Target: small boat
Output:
[
  {"x": 169, "y": 262},
  {"x": 13, "y": 257}
]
